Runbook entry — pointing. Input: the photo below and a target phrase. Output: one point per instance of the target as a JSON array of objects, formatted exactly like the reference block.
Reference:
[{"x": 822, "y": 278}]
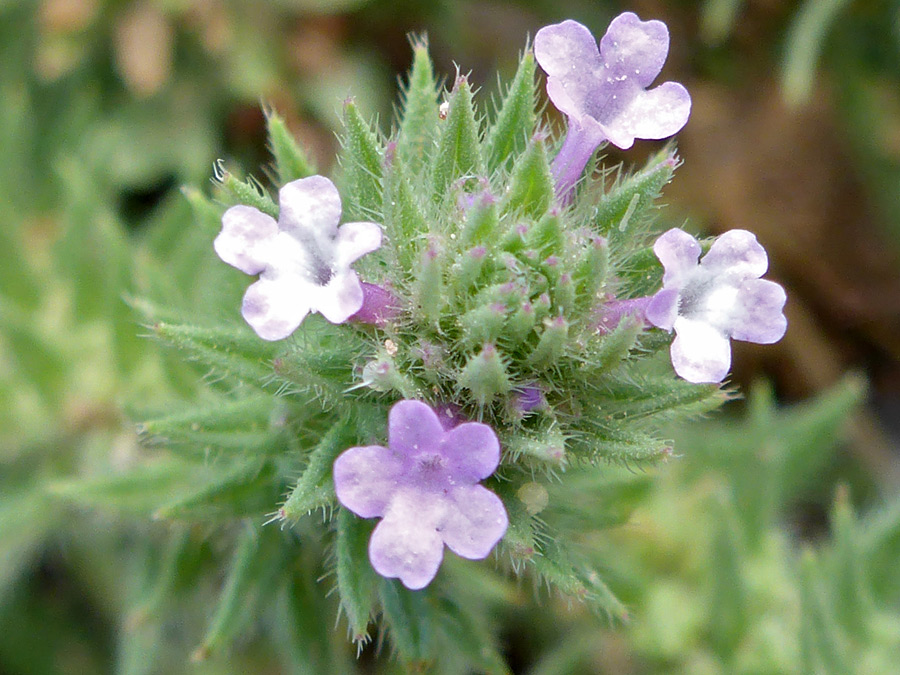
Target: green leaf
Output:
[
  {"x": 823, "y": 649},
  {"x": 405, "y": 222},
  {"x": 409, "y": 620},
  {"x": 249, "y": 192},
  {"x": 249, "y": 488},
  {"x": 291, "y": 162},
  {"x": 565, "y": 572},
  {"x": 315, "y": 488},
  {"x": 18, "y": 280},
  {"x": 459, "y": 149},
  {"x": 805, "y": 39},
  {"x": 531, "y": 185},
  {"x": 418, "y": 124},
  {"x": 232, "y": 352},
  {"x": 632, "y": 197},
  {"x": 237, "y": 427},
  {"x": 361, "y": 159},
  {"x": 139, "y": 491},
  {"x": 43, "y": 363},
  {"x": 26, "y": 519},
  {"x": 515, "y": 120},
  {"x": 729, "y": 594},
  {"x": 852, "y": 600},
  {"x": 254, "y": 566},
  {"x": 355, "y": 576}
]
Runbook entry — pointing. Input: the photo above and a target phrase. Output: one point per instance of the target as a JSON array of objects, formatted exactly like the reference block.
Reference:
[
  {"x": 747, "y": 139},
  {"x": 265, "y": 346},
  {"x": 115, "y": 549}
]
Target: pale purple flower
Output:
[
  {"x": 720, "y": 297},
  {"x": 303, "y": 260},
  {"x": 424, "y": 486},
  {"x": 605, "y": 92}
]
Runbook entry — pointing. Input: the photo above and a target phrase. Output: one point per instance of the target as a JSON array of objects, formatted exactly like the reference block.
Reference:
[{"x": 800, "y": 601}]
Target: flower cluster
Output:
[{"x": 521, "y": 295}]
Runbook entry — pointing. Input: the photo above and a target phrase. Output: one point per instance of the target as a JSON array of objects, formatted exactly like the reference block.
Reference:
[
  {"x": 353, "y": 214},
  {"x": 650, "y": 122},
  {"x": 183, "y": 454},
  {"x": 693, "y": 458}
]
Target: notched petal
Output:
[
  {"x": 700, "y": 353},
  {"x": 760, "y": 317},
  {"x": 413, "y": 427},
  {"x": 473, "y": 451},
  {"x": 678, "y": 252},
  {"x": 274, "y": 309},
  {"x": 310, "y": 206},
  {"x": 365, "y": 479},
  {"x": 474, "y": 522},
  {"x": 738, "y": 254},
  {"x": 242, "y": 241}
]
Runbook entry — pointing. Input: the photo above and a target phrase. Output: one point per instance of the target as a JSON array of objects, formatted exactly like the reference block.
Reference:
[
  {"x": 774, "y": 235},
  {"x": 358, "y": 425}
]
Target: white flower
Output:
[
  {"x": 717, "y": 298},
  {"x": 303, "y": 260}
]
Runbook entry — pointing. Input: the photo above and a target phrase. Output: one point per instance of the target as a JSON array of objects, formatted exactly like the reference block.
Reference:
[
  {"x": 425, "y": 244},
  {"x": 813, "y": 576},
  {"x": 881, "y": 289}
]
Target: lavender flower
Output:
[
  {"x": 720, "y": 297},
  {"x": 604, "y": 93},
  {"x": 424, "y": 486},
  {"x": 303, "y": 260}
]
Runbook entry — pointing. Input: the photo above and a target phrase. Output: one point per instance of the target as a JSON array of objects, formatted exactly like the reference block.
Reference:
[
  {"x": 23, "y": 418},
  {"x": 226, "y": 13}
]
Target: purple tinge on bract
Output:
[
  {"x": 424, "y": 486},
  {"x": 303, "y": 260},
  {"x": 720, "y": 297},
  {"x": 379, "y": 306},
  {"x": 604, "y": 92}
]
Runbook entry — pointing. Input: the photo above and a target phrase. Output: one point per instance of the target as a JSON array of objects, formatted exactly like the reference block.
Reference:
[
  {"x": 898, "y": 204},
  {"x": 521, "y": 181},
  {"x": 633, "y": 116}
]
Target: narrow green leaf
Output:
[
  {"x": 361, "y": 159},
  {"x": 43, "y": 363},
  {"x": 418, "y": 124},
  {"x": 355, "y": 576},
  {"x": 729, "y": 594},
  {"x": 248, "y": 583},
  {"x": 315, "y": 489},
  {"x": 247, "y": 489},
  {"x": 822, "y": 646},
  {"x": 291, "y": 162},
  {"x": 531, "y": 186},
  {"x": 233, "y": 352},
  {"x": 405, "y": 223},
  {"x": 852, "y": 600},
  {"x": 805, "y": 40},
  {"x": 459, "y": 149},
  {"x": 410, "y": 622},
  {"x": 634, "y": 195},
  {"x": 248, "y": 192},
  {"x": 140, "y": 491},
  {"x": 516, "y": 119}
]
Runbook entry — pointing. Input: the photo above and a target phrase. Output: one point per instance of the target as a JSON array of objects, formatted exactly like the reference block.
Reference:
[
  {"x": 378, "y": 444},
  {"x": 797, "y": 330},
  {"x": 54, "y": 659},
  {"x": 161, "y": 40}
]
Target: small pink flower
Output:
[
  {"x": 303, "y": 260},
  {"x": 605, "y": 93},
  {"x": 424, "y": 487},
  {"x": 720, "y": 297}
]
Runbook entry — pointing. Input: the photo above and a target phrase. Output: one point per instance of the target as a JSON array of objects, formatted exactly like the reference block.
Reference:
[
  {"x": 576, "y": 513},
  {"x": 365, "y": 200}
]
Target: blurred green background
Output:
[{"x": 108, "y": 108}]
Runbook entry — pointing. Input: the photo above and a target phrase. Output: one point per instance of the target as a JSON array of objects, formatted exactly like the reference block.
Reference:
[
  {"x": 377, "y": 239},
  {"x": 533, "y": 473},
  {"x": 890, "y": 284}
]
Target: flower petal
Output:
[
  {"x": 413, "y": 427},
  {"x": 635, "y": 48},
  {"x": 759, "y": 316},
  {"x": 678, "y": 252},
  {"x": 653, "y": 114},
  {"x": 310, "y": 206},
  {"x": 473, "y": 452},
  {"x": 700, "y": 353},
  {"x": 662, "y": 310},
  {"x": 241, "y": 243},
  {"x": 406, "y": 544},
  {"x": 738, "y": 254},
  {"x": 560, "y": 46},
  {"x": 340, "y": 298},
  {"x": 275, "y": 308},
  {"x": 365, "y": 479},
  {"x": 354, "y": 240},
  {"x": 474, "y": 522},
  {"x": 559, "y": 49}
]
